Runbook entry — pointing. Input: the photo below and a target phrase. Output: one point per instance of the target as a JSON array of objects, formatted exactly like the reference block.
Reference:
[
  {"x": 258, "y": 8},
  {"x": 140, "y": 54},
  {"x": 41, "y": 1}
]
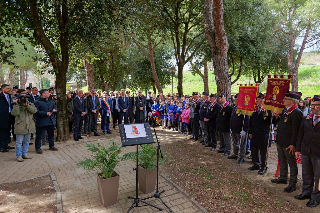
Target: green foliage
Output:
[
  {"x": 147, "y": 157},
  {"x": 104, "y": 159},
  {"x": 45, "y": 83}
]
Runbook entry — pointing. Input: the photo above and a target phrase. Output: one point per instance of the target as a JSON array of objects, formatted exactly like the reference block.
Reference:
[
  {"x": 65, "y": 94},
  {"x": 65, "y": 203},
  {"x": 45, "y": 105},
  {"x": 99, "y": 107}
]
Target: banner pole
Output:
[{"x": 265, "y": 170}]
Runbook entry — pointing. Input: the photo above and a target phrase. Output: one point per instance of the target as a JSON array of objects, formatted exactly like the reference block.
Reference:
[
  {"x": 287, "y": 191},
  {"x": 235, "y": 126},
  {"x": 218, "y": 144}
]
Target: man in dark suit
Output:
[
  {"x": 45, "y": 120},
  {"x": 259, "y": 129},
  {"x": 223, "y": 125},
  {"x": 140, "y": 106},
  {"x": 287, "y": 131},
  {"x": 239, "y": 127},
  {"x": 33, "y": 96},
  {"x": 195, "y": 106},
  {"x": 123, "y": 104},
  {"x": 78, "y": 113},
  {"x": 308, "y": 149},
  {"x": 211, "y": 121},
  {"x": 202, "y": 115},
  {"x": 93, "y": 106},
  {"x": 115, "y": 109},
  {"x": 5, "y": 110},
  {"x": 106, "y": 106}
]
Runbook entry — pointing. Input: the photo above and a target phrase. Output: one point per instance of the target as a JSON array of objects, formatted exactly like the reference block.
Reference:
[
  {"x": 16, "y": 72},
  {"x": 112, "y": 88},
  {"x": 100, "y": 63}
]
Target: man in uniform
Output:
[
  {"x": 287, "y": 131},
  {"x": 223, "y": 125},
  {"x": 140, "y": 106},
  {"x": 259, "y": 129},
  {"x": 202, "y": 115},
  {"x": 196, "y": 108},
  {"x": 211, "y": 121},
  {"x": 239, "y": 128},
  {"x": 308, "y": 149}
]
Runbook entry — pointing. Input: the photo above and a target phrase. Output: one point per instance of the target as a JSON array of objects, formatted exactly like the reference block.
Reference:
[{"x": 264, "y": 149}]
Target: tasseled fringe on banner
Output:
[
  {"x": 280, "y": 76},
  {"x": 244, "y": 112},
  {"x": 272, "y": 108}
]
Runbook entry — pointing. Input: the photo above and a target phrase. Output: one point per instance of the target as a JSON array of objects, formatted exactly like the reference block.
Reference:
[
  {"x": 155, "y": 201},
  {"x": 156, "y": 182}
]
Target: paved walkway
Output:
[{"x": 79, "y": 187}]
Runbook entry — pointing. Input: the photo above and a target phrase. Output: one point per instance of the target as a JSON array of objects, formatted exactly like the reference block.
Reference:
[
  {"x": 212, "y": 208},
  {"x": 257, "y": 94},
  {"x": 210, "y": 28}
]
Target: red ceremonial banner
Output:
[
  {"x": 247, "y": 99},
  {"x": 276, "y": 89}
]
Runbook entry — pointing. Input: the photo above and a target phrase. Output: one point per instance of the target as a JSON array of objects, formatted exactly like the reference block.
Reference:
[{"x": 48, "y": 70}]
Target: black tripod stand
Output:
[
  {"x": 157, "y": 194},
  {"x": 136, "y": 199}
]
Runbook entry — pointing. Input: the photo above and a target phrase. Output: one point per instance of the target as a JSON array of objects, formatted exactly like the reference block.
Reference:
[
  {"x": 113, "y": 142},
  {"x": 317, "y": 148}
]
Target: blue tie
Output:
[
  {"x": 8, "y": 99},
  {"x": 94, "y": 103}
]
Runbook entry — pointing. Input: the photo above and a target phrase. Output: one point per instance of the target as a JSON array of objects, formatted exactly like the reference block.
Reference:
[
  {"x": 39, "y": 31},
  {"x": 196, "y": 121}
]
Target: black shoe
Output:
[
  {"x": 108, "y": 132},
  {"x": 226, "y": 153},
  {"x": 76, "y": 139},
  {"x": 312, "y": 203},
  {"x": 247, "y": 153},
  {"x": 80, "y": 137},
  {"x": 96, "y": 134},
  {"x": 103, "y": 133},
  {"x": 302, "y": 197},
  {"x": 233, "y": 156},
  {"x": 212, "y": 149},
  {"x": 220, "y": 150},
  {"x": 290, "y": 188},
  {"x": 241, "y": 161},
  {"x": 4, "y": 150},
  {"x": 207, "y": 145},
  {"x": 191, "y": 138},
  {"x": 202, "y": 141},
  {"x": 195, "y": 139},
  {"x": 254, "y": 167},
  {"x": 53, "y": 149},
  {"x": 250, "y": 157},
  {"x": 261, "y": 171},
  {"x": 279, "y": 180},
  {"x": 9, "y": 147},
  {"x": 39, "y": 151}
]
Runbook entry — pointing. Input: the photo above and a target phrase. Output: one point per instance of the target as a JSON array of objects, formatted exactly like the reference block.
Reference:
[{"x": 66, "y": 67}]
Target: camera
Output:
[{"x": 22, "y": 99}]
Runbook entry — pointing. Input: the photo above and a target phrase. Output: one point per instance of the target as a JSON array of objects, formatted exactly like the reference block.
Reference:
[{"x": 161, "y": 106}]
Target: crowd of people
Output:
[{"x": 209, "y": 117}]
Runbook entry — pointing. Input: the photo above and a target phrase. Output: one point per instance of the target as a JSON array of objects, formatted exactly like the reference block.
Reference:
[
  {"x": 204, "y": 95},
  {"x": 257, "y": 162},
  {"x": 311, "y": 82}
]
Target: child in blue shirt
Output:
[
  {"x": 171, "y": 109},
  {"x": 178, "y": 115},
  {"x": 155, "y": 111}
]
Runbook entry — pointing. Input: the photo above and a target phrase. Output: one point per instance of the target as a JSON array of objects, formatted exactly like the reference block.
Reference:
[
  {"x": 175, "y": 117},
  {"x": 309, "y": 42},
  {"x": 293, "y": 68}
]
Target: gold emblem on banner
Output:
[
  {"x": 211, "y": 109},
  {"x": 285, "y": 119},
  {"x": 224, "y": 113},
  {"x": 246, "y": 100},
  {"x": 276, "y": 91}
]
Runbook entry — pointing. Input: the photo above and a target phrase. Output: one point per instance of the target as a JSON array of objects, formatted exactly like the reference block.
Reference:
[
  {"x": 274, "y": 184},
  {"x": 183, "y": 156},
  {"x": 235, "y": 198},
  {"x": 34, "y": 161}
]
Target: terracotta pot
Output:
[
  {"x": 108, "y": 190},
  {"x": 147, "y": 180}
]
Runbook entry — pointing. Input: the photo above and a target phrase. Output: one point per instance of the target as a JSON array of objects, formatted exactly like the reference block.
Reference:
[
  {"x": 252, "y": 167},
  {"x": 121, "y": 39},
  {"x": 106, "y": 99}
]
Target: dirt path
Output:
[{"x": 221, "y": 185}]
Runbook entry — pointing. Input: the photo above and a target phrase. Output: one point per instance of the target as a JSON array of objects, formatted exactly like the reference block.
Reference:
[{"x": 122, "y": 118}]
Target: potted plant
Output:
[
  {"x": 104, "y": 160},
  {"x": 147, "y": 159}
]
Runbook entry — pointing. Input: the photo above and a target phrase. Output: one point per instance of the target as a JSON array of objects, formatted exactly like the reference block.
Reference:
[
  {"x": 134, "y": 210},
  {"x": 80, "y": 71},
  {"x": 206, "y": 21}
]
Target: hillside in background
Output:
[{"x": 309, "y": 83}]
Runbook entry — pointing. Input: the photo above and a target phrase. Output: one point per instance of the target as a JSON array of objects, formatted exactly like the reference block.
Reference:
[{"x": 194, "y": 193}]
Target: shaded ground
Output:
[
  {"x": 36, "y": 195},
  {"x": 220, "y": 184}
]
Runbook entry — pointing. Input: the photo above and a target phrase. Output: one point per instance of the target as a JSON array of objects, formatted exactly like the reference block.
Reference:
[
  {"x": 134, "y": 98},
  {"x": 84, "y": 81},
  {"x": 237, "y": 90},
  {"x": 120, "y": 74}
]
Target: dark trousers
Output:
[
  {"x": 311, "y": 175},
  {"x": 70, "y": 126},
  {"x": 225, "y": 141},
  {"x": 105, "y": 122},
  {"x": 123, "y": 115},
  {"x": 85, "y": 123},
  {"x": 39, "y": 133},
  {"x": 284, "y": 159},
  {"x": 77, "y": 126},
  {"x": 4, "y": 137},
  {"x": 195, "y": 127},
  {"x": 92, "y": 123},
  {"x": 255, "y": 156},
  {"x": 115, "y": 116},
  {"x": 212, "y": 136},
  {"x": 12, "y": 122}
]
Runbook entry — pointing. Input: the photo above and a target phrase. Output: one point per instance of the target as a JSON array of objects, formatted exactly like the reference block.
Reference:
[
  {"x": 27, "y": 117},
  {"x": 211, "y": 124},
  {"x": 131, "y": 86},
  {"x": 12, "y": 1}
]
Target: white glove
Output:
[{"x": 243, "y": 133}]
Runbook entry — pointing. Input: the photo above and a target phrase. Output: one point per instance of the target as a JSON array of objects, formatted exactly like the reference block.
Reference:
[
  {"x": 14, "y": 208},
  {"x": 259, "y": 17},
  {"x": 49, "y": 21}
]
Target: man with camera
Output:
[
  {"x": 23, "y": 111},
  {"x": 45, "y": 120}
]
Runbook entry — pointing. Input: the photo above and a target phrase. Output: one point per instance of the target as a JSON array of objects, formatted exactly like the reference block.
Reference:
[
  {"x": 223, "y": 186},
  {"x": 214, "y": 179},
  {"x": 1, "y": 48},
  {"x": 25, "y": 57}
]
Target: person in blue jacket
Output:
[
  {"x": 155, "y": 110},
  {"x": 178, "y": 116},
  {"x": 163, "y": 114},
  {"x": 171, "y": 108}
]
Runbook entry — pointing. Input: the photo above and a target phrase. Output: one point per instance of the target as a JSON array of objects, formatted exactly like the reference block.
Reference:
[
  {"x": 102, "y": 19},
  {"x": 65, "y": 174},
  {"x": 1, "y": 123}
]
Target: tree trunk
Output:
[
  {"x": 2, "y": 77},
  {"x": 180, "y": 79},
  {"x": 11, "y": 77},
  {"x": 205, "y": 77},
  {"x": 106, "y": 87},
  {"x": 217, "y": 39},
  {"x": 22, "y": 83},
  {"x": 153, "y": 67},
  {"x": 89, "y": 74}
]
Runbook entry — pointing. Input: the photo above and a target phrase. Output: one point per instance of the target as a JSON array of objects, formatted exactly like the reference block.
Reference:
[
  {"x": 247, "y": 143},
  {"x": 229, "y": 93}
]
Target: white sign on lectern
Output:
[{"x": 135, "y": 131}]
